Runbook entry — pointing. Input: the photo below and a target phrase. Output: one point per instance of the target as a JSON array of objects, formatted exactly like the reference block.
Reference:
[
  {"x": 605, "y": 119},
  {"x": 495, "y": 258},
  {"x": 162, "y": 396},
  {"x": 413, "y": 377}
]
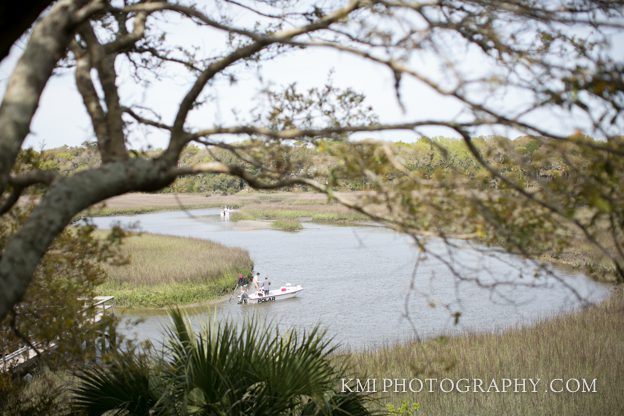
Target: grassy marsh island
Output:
[
  {"x": 289, "y": 224},
  {"x": 324, "y": 214},
  {"x": 166, "y": 270}
]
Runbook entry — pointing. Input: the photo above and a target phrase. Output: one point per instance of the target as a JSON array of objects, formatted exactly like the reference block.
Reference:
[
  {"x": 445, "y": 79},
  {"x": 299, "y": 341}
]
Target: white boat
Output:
[{"x": 285, "y": 292}]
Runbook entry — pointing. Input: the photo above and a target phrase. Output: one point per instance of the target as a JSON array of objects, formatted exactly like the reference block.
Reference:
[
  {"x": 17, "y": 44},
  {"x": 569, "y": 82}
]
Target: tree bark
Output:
[
  {"x": 46, "y": 46},
  {"x": 67, "y": 197}
]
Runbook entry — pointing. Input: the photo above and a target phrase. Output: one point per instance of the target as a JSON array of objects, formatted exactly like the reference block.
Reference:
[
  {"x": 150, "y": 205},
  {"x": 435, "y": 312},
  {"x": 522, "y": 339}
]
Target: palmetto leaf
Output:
[
  {"x": 121, "y": 388},
  {"x": 248, "y": 369}
]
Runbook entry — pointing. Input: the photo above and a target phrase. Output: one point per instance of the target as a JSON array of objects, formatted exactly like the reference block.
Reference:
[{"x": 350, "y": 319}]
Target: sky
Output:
[{"x": 62, "y": 120}]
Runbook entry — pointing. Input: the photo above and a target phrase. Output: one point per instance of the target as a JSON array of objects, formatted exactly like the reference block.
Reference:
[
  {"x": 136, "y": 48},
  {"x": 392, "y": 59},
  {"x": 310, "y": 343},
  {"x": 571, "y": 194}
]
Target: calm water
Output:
[{"x": 361, "y": 282}]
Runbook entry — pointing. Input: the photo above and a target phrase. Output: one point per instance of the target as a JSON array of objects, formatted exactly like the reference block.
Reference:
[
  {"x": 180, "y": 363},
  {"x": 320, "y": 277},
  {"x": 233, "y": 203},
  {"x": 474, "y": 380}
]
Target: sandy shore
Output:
[
  {"x": 140, "y": 200},
  {"x": 165, "y": 201},
  {"x": 251, "y": 225}
]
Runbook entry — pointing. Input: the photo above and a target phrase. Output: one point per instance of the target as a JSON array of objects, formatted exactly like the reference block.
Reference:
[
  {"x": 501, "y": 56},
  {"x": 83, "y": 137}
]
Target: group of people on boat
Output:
[{"x": 261, "y": 286}]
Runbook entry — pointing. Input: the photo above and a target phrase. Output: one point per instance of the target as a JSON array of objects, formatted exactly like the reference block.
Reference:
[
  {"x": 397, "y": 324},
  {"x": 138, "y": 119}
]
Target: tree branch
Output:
[
  {"x": 178, "y": 136},
  {"x": 47, "y": 44},
  {"x": 64, "y": 199},
  {"x": 144, "y": 120},
  {"x": 20, "y": 183},
  {"x": 112, "y": 145},
  {"x": 16, "y": 18}
]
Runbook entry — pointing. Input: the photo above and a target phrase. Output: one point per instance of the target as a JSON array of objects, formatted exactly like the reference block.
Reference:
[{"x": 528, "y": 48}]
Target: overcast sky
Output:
[{"x": 62, "y": 120}]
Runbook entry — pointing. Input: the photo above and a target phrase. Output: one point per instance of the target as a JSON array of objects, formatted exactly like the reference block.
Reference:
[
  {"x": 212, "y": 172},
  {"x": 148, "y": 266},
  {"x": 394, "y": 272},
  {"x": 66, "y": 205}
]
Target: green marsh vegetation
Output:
[
  {"x": 164, "y": 270},
  {"x": 287, "y": 225},
  {"x": 287, "y": 211}
]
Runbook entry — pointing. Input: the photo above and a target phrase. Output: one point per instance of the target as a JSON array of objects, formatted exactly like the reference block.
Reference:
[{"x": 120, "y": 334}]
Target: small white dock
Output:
[{"x": 24, "y": 354}]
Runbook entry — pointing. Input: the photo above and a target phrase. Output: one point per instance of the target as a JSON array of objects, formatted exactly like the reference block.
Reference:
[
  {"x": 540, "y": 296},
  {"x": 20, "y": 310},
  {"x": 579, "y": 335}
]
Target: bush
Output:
[{"x": 225, "y": 370}]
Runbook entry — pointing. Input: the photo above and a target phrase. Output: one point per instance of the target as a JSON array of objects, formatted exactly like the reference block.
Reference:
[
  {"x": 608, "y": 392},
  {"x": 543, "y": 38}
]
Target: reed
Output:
[
  {"x": 253, "y": 206},
  {"x": 587, "y": 344},
  {"x": 164, "y": 270},
  {"x": 289, "y": 224},
  {"x": 329, "y": 214}
]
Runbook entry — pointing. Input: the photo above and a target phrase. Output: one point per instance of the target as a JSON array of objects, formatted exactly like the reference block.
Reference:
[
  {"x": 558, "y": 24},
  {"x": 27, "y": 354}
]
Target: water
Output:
[{"x": 366, "y": 286}]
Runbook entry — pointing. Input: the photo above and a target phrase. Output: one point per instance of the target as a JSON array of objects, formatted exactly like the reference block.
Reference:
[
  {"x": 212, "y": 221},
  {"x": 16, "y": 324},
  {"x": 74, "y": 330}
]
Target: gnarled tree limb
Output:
[{"x": 46, "y": 46}]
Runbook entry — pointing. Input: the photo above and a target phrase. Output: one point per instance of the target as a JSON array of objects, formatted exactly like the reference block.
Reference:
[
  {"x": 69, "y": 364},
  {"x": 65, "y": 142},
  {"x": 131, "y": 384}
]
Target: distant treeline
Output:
[{"x": 525, "y": 160}]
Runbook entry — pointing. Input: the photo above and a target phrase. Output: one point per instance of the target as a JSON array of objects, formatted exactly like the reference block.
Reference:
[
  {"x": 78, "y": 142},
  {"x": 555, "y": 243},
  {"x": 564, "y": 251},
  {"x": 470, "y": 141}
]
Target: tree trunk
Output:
[
  {"x": 62, "y": 202},
  {"x": 47, "y": 44}
]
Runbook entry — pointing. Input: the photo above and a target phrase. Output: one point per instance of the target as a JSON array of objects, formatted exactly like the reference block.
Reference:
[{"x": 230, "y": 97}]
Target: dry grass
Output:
[
  {"x": 139, "y": 203},
  {"x": 583, "y": 345},
  {"x": 167, "y": 270}
]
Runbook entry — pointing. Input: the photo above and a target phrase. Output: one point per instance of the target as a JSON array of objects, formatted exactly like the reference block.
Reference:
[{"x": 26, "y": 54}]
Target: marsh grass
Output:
[
  {"x": 253, "y": 206},
  {"x": 289, "y": 224},
  {"x": 111, "y": 211},
  {"x": 587, "y": 344},
  {"x": 328, "y": 214},
  {"x": 166, "y": 270}
]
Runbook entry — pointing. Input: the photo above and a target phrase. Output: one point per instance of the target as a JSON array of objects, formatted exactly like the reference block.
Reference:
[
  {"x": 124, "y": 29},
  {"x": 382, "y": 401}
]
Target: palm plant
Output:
[{"x": 226, "y": 370}]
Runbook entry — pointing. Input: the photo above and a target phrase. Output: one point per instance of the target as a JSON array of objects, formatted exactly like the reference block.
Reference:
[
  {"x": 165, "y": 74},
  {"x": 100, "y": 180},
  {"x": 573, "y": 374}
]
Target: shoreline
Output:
[
  {"x": 159, "y": 310},
  {"x": 258, "y": 210},
  {"x": 583, "y": 344},
  {"x": 130, "y": 202}
]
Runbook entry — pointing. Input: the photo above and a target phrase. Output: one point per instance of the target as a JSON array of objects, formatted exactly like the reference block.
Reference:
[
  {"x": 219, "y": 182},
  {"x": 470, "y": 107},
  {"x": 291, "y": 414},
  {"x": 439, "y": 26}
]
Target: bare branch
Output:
[
  {"x": 22, "y": 182},
  {"x": 178, "y": 138},
  {"x": 146, "y": 121},
  {"x": 112, "y": 144},
  {"x": 46, "y": 46}
]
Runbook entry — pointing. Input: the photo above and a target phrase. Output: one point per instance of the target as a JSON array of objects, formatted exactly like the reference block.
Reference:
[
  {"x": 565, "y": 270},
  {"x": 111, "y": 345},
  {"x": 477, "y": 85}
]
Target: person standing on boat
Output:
[
  {"x": 266, "y": 285},
  {"x": 256, "y": 281},
  {"x": 241, "y": 280},
  {"x": 243, "y": 296}
]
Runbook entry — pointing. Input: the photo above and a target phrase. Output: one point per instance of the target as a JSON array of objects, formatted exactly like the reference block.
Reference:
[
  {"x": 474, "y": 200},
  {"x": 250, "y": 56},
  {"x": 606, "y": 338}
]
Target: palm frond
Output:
[
  {"x": 120, "y": 388},
  {"x": 225, "y": 369}
]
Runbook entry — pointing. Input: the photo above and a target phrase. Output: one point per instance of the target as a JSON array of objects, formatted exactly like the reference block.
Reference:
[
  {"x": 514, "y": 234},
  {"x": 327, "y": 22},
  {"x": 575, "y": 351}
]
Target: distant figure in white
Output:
[
  {"x": 225, "y": 214},
  {"x": 266, "y": 285}
]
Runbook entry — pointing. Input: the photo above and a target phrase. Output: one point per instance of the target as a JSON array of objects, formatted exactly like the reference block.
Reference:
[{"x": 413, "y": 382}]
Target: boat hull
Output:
[{"x": 283, "y": 293}]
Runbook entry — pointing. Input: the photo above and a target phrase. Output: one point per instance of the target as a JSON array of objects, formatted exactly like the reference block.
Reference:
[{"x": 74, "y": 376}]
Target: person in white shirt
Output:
[
  {"x": 256, "y": 281},
  {"x": 266, "y": 285}
]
